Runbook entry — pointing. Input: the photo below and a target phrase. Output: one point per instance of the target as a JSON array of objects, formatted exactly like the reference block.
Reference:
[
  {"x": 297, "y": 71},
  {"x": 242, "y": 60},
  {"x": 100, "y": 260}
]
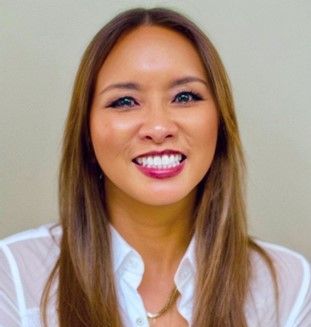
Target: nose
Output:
[{"x": 158, "y": 125}]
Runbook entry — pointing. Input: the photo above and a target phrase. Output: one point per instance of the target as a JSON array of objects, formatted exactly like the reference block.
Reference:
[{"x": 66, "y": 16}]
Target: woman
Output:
[{"x": 152, "y": 218}]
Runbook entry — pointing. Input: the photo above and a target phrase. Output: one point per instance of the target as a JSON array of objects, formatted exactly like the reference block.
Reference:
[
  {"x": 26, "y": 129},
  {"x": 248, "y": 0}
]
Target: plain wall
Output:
[{"x": 266, "y": 48}]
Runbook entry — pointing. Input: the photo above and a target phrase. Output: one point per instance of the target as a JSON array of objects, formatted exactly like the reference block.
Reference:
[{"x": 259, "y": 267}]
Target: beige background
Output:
[{"x": 266, "y": 48}]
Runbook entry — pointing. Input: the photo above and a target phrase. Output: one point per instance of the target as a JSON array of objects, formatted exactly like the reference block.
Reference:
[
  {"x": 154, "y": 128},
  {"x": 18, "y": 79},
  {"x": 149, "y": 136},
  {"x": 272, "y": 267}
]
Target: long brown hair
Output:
[{"x": 86, "y": 293}]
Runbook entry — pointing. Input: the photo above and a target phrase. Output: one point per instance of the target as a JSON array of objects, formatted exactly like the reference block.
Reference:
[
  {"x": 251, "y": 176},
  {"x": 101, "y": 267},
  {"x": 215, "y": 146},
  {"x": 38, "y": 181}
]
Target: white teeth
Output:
[
  {"x": 165, "y": 160},
  {"x": 157, "y": 161},
  {"x": 160, "y": 162}
]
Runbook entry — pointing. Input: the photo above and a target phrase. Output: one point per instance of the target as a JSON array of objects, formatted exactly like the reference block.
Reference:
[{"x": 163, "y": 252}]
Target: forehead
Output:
[{"x": 151, "y": 49}]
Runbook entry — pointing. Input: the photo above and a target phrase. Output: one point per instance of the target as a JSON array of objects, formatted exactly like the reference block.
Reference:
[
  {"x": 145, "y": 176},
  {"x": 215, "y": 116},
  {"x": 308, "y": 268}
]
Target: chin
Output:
[{"x": 164, "y": 199}]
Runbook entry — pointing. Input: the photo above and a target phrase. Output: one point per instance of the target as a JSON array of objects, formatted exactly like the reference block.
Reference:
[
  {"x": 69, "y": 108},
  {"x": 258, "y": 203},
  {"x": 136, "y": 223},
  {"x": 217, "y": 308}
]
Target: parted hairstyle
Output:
[{"x": 85, "y": 292}]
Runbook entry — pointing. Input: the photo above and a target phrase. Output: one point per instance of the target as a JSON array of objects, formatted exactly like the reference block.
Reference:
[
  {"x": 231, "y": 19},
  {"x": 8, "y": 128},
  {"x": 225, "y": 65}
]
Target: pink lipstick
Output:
[
  {"x": 160, "y": 164},
  {"x": 161, "y": 173}
]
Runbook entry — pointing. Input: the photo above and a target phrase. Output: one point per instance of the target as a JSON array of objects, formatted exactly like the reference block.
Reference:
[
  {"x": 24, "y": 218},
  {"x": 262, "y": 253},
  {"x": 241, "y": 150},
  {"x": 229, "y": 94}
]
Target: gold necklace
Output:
[{"x": 152, "y": 317}]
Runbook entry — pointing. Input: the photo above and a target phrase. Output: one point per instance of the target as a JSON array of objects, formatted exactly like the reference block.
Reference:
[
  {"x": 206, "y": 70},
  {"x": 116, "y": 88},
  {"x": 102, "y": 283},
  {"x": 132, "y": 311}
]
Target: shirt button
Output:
[{"x": 139, "y": 322}]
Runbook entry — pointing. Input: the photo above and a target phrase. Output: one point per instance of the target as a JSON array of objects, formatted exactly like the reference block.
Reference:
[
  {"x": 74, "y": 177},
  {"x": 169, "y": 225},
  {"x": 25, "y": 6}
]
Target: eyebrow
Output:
[
  {"x": 188, "y": 79},
  {"x": 136, "y": 86}
]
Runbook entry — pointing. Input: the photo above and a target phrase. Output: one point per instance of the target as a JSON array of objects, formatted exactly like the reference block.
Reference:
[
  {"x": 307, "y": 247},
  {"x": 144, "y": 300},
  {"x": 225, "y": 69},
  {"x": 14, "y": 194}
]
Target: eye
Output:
[
  {"x": 187, "y": 96},
  {"x": 124, "y": 102}
]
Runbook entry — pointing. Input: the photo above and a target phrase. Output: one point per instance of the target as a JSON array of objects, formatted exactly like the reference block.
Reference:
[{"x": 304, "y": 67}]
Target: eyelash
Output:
[
  {"x": 117, "y": 103},
  {"x": 195, "y": 96}
]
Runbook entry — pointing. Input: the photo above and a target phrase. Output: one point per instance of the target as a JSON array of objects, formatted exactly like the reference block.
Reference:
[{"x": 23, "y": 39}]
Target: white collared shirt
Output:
[
  {"x": 27, "y": 258},
  {"x": 129, "y": 269}
]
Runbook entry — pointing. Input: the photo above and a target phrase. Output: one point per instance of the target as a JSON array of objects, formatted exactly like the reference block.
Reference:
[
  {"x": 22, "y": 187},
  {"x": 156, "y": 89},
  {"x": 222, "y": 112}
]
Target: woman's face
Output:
[{"x": 153, "y": 119}]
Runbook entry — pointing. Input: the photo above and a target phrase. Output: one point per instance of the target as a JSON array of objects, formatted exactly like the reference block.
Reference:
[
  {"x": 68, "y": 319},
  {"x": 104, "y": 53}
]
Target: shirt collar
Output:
[
  {"x": 121, "y": 250},
  {"x": 128, "y": 265},
  {"x": 186, "y": 267},
  {"x": 123, "y": 255},
  {"x": 185, "y": 282}
]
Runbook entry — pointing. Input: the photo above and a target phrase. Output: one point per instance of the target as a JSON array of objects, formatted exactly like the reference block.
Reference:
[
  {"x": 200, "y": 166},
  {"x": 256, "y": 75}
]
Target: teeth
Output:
[
  {"x": 157, "y": 161},
  {"x": 165, "y": 161}
]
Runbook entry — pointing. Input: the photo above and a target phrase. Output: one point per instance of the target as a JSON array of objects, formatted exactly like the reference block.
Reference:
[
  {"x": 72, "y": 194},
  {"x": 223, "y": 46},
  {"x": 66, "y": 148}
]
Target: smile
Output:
[
  {"x": 161, "y": 165},
  {"x": 160, "y": 162}
]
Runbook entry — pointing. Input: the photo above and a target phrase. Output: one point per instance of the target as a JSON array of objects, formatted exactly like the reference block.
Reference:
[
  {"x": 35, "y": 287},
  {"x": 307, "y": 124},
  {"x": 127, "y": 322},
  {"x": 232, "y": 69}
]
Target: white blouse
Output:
[{"x": 27, "y": 258}]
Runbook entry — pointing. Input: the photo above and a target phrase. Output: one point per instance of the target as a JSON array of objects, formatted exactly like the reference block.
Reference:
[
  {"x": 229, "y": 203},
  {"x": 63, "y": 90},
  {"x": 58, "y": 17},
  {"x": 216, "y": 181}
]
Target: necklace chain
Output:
[{"x": 170, "y": 302}]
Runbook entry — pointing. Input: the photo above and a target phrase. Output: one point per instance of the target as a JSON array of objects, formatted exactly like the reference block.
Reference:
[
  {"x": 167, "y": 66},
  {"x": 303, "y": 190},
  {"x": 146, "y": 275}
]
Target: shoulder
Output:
[
  {"x": 293, "y": 279},
  {"x": 43, "y": 231},
  {"x": 26, "y": 260},
  {"x": 31, "y": 242},
  {"x": 282, "y": 254},
  {"x": 28, "y": 253},
  {"x": 292, "y": 269},
  {"x": 287, "y": 263}
]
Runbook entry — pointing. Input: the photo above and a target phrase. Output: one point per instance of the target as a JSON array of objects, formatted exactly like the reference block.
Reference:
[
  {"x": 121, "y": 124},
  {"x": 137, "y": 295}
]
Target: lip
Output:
[{"x": 161, "y": 173}]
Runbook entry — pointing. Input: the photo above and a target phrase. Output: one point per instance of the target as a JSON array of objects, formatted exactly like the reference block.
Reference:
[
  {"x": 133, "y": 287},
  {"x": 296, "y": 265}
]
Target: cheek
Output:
[
  {"x": 208, "y": 135},
  {"x": 205, "y": 140},
  {"x": 101, "y": 135},
  {"x": 109, "y": 136},
  {"x": 203, "y": 130},
  {"x": 206, "y": 147}
]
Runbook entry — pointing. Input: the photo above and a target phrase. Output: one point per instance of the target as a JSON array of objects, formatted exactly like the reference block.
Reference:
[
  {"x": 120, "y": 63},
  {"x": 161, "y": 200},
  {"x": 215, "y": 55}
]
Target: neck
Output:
[{"x": 160, "y": 234}]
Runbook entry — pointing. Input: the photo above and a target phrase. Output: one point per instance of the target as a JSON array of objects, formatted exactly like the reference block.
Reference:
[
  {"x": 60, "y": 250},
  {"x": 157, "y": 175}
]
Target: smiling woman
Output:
[
  {"x": 157, "y": 109},
  {"x": 152, "y": 218}
]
